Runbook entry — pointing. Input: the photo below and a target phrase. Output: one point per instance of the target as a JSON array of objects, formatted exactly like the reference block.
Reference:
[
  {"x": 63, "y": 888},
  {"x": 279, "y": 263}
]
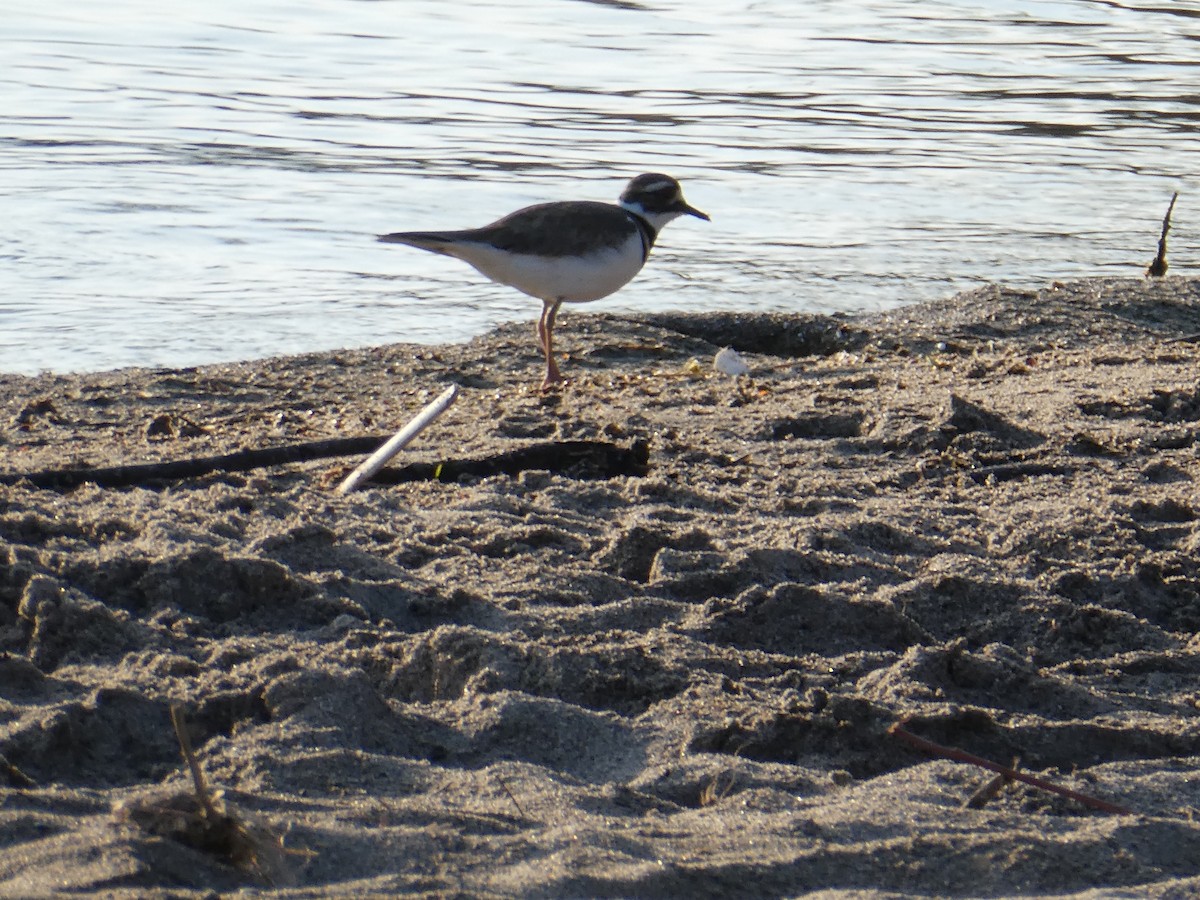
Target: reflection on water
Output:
[{"x": 199, "y": 184}]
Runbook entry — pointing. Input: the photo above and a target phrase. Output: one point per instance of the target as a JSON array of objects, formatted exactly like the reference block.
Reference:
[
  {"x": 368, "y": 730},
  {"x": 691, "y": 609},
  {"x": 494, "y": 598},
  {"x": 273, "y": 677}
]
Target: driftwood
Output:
[
  {"x": 580, "y": 459},
  {"x": 176, "y": 470},
  {"x": 399, "y": 441}
]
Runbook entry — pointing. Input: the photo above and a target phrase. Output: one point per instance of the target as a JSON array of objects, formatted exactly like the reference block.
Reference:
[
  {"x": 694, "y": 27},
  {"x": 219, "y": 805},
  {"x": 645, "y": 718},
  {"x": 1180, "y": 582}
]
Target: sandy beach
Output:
[{"x": 977, "y": 517}]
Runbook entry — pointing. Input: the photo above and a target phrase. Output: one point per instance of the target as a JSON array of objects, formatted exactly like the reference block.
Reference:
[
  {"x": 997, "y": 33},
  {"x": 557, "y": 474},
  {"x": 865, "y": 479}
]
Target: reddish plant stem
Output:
[{"x": 899, "y": 731}]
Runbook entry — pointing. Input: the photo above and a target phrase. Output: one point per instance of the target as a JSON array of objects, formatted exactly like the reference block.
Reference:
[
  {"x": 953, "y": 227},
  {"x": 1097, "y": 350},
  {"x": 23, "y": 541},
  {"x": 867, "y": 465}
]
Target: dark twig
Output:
[
  {"x": 15, "y": 776},
  {"x": 1158, "y": 268},
  {"x": 504, "y": 785},
  {"x": 581, "y": 459},
  {"x": 989, "y": 790},
  {"x": 241, "y": 461},
  {"x": 1186, "y": 339},
  {"x": 1013, "y": 471},
  {"x": 899, "y": 731}
]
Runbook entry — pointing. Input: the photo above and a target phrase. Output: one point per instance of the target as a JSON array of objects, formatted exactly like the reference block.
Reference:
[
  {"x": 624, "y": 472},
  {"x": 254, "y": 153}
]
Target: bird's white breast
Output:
[{"x": 575, "y": 279}]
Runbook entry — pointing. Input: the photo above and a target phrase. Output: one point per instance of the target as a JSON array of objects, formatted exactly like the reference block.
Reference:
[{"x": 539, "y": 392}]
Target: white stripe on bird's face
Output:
[{"x": 656, "y": 219}]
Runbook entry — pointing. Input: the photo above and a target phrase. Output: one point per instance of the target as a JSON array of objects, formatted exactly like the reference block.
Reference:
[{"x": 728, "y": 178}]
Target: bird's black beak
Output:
[{"x": 692, "y": 211}]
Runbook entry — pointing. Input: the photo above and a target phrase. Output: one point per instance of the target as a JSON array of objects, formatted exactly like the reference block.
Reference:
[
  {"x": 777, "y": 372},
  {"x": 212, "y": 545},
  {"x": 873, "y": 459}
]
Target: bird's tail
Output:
[{"x": 433, "y": 241}]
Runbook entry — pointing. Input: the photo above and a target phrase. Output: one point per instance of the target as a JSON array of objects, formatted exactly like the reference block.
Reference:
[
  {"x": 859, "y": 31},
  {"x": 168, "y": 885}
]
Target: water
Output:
[{"x": 196, "y": 182}]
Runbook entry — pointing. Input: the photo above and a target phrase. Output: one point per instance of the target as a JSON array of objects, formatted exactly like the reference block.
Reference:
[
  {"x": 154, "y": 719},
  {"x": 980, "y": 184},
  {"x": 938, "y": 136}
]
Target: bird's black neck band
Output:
[{"x": 647, "y": 232}]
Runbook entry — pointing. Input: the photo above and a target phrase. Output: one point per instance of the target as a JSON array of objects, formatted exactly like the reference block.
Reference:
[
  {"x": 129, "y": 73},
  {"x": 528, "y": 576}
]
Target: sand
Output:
[{"x": 977, "y": 516}]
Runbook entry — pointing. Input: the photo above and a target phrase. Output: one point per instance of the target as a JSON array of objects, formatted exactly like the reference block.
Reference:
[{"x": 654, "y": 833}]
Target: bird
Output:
[{"x": 572, "y": 251}]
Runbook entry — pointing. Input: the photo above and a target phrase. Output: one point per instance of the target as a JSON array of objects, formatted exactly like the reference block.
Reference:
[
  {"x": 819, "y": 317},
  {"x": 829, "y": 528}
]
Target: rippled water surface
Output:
[{"x": 186, "y": 183}]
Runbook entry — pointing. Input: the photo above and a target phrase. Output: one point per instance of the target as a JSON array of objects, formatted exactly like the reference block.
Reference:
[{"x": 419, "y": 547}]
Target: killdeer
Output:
[{"x": 567, "y": 252}]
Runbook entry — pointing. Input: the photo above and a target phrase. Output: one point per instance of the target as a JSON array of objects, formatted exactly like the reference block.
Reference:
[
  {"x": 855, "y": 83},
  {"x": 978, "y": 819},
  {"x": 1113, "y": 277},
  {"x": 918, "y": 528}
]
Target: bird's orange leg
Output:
[{"x": 546, "y": 337}]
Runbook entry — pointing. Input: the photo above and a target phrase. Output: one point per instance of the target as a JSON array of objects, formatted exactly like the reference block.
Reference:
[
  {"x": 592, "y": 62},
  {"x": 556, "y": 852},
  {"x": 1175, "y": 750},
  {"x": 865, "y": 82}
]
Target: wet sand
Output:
[{"x": 978, "y": 516}]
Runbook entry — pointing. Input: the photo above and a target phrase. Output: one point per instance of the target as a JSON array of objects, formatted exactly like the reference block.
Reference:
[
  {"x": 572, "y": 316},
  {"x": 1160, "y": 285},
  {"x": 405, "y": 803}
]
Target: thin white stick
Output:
[{"x": 398, "y": 441}]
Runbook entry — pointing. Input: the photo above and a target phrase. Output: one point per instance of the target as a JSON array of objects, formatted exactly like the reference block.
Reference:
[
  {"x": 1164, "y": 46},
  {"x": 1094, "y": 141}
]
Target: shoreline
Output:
[{"x": 977, "y": 515}]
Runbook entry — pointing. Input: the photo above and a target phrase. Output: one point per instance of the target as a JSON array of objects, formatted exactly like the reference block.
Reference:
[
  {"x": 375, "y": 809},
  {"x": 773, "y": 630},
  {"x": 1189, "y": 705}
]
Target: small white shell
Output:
[{"x": 730, "y": 362}]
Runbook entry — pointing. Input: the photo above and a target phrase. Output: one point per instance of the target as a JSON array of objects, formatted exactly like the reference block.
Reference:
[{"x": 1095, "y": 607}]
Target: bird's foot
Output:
[{"x": 554, "y": 379}]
